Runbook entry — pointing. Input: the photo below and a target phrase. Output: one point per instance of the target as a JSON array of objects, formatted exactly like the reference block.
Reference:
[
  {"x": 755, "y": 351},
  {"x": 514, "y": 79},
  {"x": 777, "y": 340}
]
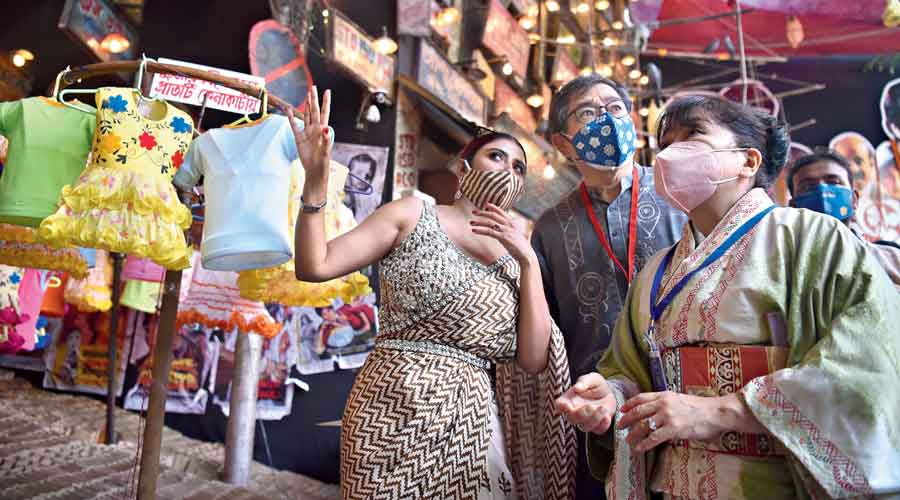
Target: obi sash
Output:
[{"x": 719, "y": 370}]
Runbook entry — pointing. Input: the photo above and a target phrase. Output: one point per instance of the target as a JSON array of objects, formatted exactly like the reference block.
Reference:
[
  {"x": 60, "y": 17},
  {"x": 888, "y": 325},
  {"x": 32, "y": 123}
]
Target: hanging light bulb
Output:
[
  {"x": 644, "y": 80},
  {"x": 552, "y": 5},
  {"x": 568, "y": 39},
  {"x": 535, "y": 100},
  {"x": 373, "y": 114},
  {"x": 608, "y": 42},
  {"x": 601, "y": 5},
  {"x": 617, "y": 25},
  {"x": 533, "y": 11},
  {"x": 549, "y": 172},
  {"x": 634, "y": 74},
  {"x": 583, "y": 8},
  {"x": 18, "y": 61},
  {"x": 507, "y": 68},
  {"x": 325, "y": 13},
  {"x": 644, "y": 112},
  {"x": 606, "y": 71},
  {"x": 526, "y": 23},
  {"x": 640, "y": 143},
  {"x": 115, "y": 43},
  {"x": 449, "y": 15},
  {"x": 25, "y": 54},
  {"x": 585, "y": 71},
  {"x": 628, "y": 60},
  {"x": 385, "y": 44}
]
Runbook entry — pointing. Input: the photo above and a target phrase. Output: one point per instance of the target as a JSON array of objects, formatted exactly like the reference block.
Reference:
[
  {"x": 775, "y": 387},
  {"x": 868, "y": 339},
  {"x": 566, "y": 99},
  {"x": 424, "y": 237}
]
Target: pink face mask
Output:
[{"x": 687, "y": 173}]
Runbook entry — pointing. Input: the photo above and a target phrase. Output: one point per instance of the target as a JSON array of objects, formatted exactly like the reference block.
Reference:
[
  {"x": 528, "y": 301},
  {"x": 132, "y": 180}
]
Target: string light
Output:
[
  {"x": 566, "y": 39},
  {"x": 585, "y": 71},
  {"x": 617, "y": 25},
  {"x": 18, "y": 61},
  {"x": 549, "y": 172},
  {"x": 606, "y": 72},
  {"x": 634, "y": 74},
  {"x": 644, "y": 80},
  {"x": 601, "y": 5},
  {"x": 535, "y": 100},
  {"x": 628, "y": 60},
  {"x": 552, "y": 5},
  {"x": 583, "y": 8},
  {"x": 644, "y": 112},
  {"x": 325, "y": 13},
  {"x": 608, "y": 42},
  {"x": 507, "y": 68},
  {"x": 526, "y": 22}
]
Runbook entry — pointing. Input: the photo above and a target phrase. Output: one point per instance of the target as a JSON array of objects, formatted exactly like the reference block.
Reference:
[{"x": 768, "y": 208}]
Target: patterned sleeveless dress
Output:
[{"x": 440, "y": 408}]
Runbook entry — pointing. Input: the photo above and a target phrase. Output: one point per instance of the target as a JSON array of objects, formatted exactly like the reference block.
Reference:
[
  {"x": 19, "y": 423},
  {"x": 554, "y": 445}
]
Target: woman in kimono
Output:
[
  {"x": 759, "y": 356},
  {"x": 456, "y": 400}
]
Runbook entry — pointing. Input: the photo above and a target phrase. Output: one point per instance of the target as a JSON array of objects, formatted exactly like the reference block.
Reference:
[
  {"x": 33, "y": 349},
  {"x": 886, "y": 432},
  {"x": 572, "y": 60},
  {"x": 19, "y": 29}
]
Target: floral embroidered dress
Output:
[
  {"x": 798, "y": 318},
  {"x": 124, "y": 201},
  {"x": 278, "y": 284}
]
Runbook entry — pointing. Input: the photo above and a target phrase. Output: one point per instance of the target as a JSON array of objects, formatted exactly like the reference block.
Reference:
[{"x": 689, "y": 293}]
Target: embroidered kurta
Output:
[
  {"x": 421, "y": 421},
  {"x": 800, "y": 319}
]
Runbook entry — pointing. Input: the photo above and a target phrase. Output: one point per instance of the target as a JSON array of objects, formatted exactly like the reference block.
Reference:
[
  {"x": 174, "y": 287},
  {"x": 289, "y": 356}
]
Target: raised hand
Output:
[
  {"x": 494, "y": 222},
  {"x": 313, "y": 141}
]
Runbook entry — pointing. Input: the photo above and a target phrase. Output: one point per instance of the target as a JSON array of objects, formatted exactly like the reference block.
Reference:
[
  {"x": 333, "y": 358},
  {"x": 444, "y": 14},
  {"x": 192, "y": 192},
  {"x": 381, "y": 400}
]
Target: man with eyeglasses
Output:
[{"x": 594, "y": 241}]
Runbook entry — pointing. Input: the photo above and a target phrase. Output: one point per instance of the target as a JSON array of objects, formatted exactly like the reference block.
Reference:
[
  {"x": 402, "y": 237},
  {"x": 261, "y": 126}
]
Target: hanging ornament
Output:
[
  {"x": 795, "y": 31},
  {"x": 891, "y": 17}
]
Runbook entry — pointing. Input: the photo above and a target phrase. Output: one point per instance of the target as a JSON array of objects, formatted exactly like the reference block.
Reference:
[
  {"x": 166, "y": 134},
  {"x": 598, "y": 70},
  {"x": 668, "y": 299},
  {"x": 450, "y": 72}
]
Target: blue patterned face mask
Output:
[
  {"x": 605, "y": 142},
  {"x": 829, "y": 199}
]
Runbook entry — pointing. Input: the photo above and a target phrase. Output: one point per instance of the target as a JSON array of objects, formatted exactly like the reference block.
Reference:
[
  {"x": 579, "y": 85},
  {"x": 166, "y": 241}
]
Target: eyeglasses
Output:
[{"x": 587, "y": 113}]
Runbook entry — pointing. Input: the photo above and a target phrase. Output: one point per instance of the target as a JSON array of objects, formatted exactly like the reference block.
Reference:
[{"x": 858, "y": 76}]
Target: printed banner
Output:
[
  {"x": 192, "y": 373},
  {"x": 191, "y": 91}
]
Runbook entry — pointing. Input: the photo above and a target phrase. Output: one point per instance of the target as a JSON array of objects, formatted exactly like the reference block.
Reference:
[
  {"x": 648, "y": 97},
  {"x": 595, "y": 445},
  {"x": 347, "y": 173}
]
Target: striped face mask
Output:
[{"x": 502, "y": 187}]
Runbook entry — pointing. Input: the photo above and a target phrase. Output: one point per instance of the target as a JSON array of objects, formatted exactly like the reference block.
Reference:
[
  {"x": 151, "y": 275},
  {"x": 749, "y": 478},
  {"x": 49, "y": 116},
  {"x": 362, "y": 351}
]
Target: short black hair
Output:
[
  {"x": 825, "y": 155},
  {"x": 751, "y": 129},
  {"x": 559, "y": 104}
]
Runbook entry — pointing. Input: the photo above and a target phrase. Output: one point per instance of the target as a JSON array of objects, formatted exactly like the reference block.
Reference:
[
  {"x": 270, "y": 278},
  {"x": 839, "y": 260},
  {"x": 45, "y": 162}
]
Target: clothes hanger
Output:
[
  {"x": 263, "y": 113},
  {"x": 80, "y": 106},
  {"x": 139, "y": 78}
]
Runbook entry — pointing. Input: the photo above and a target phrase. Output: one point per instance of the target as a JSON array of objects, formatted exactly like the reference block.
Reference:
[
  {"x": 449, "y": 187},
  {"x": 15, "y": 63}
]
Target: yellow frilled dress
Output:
[
  {"x": 93, "y": 293},
  {"x": 19, "y": 247},
  {"x": 279, "y": 284},
  {"x": 124, "y": 200}
]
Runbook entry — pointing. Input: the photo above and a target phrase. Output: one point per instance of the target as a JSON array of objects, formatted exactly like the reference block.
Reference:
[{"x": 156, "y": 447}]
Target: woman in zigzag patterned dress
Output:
[{"x": 456, "y": 400}]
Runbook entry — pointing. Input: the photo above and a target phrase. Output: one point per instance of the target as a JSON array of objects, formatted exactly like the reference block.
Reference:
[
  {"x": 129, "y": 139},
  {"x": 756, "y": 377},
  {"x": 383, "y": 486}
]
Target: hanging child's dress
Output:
[
  {"x": 124, "y": 201},
  {"x": 20, "y": 305},
  {"x": 279, "y": 284},
  {"x": 213, "y": 300},
  {"x": 19, "y": 247},
  {"x": 93, "y": 293},
  {"x": 48, "y": 146},
  {"x": 246, "y": 179}
]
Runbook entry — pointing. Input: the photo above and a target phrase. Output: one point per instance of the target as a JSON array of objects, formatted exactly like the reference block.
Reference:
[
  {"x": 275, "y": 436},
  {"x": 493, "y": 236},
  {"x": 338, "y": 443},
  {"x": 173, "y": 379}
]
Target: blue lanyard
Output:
[
  {"x": 657, "y": 308},
  {"x": 657, "y": 372}
]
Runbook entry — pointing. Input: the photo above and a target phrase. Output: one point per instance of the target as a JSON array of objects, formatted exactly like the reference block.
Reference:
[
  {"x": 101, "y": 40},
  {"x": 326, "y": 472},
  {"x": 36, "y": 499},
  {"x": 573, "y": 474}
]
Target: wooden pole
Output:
[
  {"x": 159, "y": 388},
  {"x": 159, "y": 385},
  {"x": 111, "y": 350}
]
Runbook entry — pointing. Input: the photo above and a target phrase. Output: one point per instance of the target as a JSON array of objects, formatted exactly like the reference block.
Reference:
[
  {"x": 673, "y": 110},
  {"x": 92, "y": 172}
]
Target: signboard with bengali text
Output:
[{"x": 192, "y": 91}]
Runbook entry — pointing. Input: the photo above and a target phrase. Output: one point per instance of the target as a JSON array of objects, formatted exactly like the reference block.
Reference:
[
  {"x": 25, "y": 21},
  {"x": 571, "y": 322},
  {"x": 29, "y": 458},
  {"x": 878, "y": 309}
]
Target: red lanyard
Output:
[{"x": 632, "y": 225}]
